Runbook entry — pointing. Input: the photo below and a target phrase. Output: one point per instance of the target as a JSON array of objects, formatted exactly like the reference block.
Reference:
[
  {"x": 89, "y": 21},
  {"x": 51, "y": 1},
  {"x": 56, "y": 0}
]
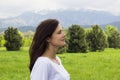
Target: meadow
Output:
[{"x": 81, "y": 66}]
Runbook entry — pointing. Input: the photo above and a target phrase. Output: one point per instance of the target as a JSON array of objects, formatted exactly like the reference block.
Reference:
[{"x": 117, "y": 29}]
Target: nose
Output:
[{"x": 64, "y": 34}]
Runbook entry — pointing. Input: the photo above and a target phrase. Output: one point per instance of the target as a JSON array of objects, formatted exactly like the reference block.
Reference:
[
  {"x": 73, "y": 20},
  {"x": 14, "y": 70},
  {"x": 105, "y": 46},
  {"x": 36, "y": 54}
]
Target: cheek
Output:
[
  {"x": 58, "y": 42},
  {"x": 55, "y": 40}
]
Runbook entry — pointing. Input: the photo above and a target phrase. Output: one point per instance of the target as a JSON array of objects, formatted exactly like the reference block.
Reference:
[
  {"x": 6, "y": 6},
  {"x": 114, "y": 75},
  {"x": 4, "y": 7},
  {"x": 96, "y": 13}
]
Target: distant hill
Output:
[
  {"x": 66, "y": 18},
  {"x": 32, "y": 28},
  {"x": 22, "y": 29},
  {"x": 30, "y": 20}
]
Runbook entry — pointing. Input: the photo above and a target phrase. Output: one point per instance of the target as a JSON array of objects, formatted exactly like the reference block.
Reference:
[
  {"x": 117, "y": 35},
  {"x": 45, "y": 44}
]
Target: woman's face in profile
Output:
[{"x": 58, "y": 37}]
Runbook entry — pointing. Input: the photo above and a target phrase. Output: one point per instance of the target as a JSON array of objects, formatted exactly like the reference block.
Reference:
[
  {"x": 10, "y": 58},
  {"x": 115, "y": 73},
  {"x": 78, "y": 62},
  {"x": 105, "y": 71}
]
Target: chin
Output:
[{"x": 63, "y": 44}]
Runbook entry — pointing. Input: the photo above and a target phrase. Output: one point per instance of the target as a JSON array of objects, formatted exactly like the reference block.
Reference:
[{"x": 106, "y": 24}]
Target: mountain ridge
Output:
[{"x": 66, "y": 18}]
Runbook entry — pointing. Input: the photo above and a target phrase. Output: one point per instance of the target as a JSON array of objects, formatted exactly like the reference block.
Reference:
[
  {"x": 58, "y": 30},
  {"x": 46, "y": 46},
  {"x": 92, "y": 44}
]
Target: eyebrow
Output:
[{"x": 59, "y": 30}]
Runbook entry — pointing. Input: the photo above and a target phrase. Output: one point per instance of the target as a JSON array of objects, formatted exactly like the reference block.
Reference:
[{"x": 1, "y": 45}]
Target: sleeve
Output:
[{"x": 39, "y": 71}]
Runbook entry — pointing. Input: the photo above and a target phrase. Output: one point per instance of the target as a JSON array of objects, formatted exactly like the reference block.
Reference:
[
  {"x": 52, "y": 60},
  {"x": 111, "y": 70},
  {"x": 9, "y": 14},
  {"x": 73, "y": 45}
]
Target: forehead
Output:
[{"x": 59, "y": 27}]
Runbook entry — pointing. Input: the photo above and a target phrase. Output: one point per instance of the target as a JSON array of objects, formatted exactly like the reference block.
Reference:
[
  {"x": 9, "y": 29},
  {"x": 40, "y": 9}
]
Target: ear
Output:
[{"x": 48, "y": 39}]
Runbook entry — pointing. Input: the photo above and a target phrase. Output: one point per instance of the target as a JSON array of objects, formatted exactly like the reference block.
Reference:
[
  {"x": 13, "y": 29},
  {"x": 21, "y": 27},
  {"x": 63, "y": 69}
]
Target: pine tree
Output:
[
  {"x": 76, "y": 41},
  {"x": 113, "y": 36},
  {"x": 96, "y": 39},
  {"x": 13, "y": 39}
]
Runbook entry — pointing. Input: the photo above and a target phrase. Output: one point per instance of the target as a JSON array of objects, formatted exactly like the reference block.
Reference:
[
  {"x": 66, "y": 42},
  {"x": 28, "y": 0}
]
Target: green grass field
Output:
[{"x": 90, "y": 66}]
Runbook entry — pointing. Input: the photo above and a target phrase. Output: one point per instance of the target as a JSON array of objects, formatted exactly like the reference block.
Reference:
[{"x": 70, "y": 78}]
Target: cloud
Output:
[
  {"x": 98, "y": 4},
  {"x": 16, "y": 7}
]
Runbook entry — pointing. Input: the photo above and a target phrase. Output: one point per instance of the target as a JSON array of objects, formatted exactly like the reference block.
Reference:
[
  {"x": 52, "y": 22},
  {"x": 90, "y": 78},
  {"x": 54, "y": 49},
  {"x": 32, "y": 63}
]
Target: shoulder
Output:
[
  {"x": 41, "y": 64},
  {"x": 41, "y": 69},
  {"x": 42, "y": 60}
]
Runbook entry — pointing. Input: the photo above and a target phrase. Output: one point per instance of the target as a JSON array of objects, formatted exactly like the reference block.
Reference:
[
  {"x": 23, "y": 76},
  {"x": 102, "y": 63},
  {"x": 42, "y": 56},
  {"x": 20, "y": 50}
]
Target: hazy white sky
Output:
[{"x": 15, "y": 7}]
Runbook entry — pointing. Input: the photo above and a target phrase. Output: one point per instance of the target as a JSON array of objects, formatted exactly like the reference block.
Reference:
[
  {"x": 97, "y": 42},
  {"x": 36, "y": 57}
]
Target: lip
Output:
[{"x": 62, "y": 39}]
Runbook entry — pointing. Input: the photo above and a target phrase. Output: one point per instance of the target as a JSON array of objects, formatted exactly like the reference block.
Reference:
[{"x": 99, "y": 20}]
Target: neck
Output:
[{"x": 51, "y": 52}]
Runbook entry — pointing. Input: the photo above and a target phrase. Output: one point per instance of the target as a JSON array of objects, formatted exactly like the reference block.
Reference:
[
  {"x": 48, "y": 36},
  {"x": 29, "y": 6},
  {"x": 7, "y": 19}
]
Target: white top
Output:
[{"x": 46, "y": 69}]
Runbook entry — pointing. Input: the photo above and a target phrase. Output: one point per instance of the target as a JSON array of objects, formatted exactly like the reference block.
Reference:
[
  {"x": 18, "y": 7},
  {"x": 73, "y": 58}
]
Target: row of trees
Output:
[
  {"x": 78, "y": 39},
  {"x": 92, "y": 39}
]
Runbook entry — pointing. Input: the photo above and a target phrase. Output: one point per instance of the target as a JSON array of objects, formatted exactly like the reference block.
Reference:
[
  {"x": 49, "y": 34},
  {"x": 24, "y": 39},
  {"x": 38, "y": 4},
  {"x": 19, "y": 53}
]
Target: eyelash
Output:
[{"x": 59, "y": 32}]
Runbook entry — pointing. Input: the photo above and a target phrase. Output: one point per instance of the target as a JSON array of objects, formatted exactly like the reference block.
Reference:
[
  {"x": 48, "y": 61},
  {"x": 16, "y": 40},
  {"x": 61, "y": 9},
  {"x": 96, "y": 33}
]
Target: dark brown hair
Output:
[{"x": 39, "y": 44}]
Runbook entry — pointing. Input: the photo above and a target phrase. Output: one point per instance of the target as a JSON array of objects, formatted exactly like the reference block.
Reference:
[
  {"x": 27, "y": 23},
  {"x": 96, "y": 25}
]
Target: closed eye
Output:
[{"x": 60, "y": 31}]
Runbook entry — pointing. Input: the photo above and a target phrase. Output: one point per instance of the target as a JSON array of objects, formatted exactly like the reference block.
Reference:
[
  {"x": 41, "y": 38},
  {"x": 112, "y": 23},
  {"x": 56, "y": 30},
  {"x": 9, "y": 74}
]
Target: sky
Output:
[{"x": 10, "y": 8}]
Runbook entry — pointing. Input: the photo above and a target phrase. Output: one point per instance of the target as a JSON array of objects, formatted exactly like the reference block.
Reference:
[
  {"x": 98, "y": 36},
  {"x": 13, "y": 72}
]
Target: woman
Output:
[{"x": 44, "y": 64}]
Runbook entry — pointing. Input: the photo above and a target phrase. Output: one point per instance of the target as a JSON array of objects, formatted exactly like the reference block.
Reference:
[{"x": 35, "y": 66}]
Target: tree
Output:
[
  {"x": 13, "y": 39},
  {"x": 0, "y": 40},
  {"x": 113, "y": 36},
  {"x": 27, "y": 38},
  {"x": 96, "y": 39},
  {"x": 76, "y": 41}
]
